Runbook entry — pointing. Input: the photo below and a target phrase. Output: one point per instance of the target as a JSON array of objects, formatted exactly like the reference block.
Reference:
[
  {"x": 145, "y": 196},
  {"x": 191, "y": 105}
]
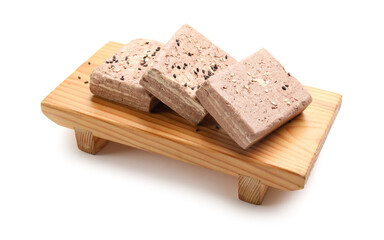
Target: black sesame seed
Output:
[
  {"x": 197, "y": 129},
  {"x": 126, "y": 58},
  {"x": 85, "y": 82},
  {"x": 284, "y": 88},
  {"x": 153, "y": 54},
  {"x": 226, "y": 57},
  {"x": 158, "y": 49},
  {"x": 173, "y": 67},
  {"x": 184, "y": 67},
  {"x": 89, "y": 63},
  {"x": 194, "y": 71},
  {"x": 78, "y": 77},
  {"x": 209, "y": 73},
  {"x": 185, "y": 64},
  {"x": 185, "y": 84},
  {"x": 193, "y": 88},
  {"x": 114, "y": 57},
  {"x": 190, "y": 54},
  {"x": 145, "y": 65},
  {"x": 139, "y": 69},
  {"x": 177, "y": 40},
  {"x": 122, "y": 78},
  {"x": 116, "y": 60},
  {"x": 178, "y": 67},
  {"x": 174, "y": 75},
  {"x": 106, "y": 62},
  {"x": 206, "y": 77},
  {"x": 178, "y": 44},
  {"x": 289, "y": 74},
  {"x": 217, "y": 127},
  {"x": 203, "y": 71},
  {"x": 286, "y": 85},
  {"x": 197, "y": 69},
  {"x": 198, "y": 86},
  {"x": 146, "y": 42}
]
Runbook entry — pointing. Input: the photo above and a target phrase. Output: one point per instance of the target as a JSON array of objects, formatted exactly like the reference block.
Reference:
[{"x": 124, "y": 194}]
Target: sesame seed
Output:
[
  {"x": 197, "y": 130},
  {"x": 289, "y": 74},
  {"x": 178, "y": 67},
  {"x": 206, "y": 77},
  {"x": 146, "y": 42},
  {"x": 284, "y": 88},
  {"x": 237, "y": 90},
  {"x": 158, "y": 49},
  {"x": 266, "y": 90},
  {"x": 203, "y": 71},
  {"x": 273, "y": 103},
  {"x": 198, "y": 86},
  {"x": 234, "y": 80},
  {"x": 186, "y": 65},
  {"x": 226, "y": 57},
  {"x": 122, "y": 78},
  {"x": 85, "y": 82},
  {"x": 139, "y": 69},
  {"x": 193, "y": 88},
  {"x": 185, "y": 84},
  {"x": 190, "y": 54},
  {"x": 246, "y": 86},
  {"x": 126, "y": 58},
  {"x": 197, "y": 69},
  {"x": 78, "y": 77},
  {"x": 232, "y": 74},
  {"x": 217, "y": 127},
  {"x": 174, "y": 75},
  {"x": 286, "y": 85},
  {"x": 178, "y": 44},
  {"x": 89, "y": 63}
]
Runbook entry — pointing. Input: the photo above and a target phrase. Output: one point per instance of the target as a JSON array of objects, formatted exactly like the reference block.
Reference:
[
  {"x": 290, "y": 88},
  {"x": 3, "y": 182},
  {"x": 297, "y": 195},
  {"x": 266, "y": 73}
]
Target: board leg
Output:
[
  {"x": 251, "y": 190},
  {"x": 87, "y": 142}
]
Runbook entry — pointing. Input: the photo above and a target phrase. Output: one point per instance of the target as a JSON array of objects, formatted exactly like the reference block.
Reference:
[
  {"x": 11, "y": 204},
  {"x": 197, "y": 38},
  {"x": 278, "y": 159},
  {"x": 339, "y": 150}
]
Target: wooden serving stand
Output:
[{"x": 282, "y": 160}]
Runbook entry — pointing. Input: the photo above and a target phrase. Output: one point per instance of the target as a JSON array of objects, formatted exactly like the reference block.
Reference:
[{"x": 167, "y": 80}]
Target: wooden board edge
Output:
[
  {"x": 291, "y": 180},
  {"x": 325, "y": 135}
]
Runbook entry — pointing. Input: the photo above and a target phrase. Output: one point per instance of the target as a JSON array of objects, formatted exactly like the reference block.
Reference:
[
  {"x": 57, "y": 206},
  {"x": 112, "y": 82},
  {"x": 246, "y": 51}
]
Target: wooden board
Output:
[{"x": 282, "y": 160}]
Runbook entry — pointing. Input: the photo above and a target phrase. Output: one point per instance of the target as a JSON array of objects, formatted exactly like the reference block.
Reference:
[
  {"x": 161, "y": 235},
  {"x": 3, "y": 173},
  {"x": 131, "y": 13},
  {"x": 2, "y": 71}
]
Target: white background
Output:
[{"x": 51, "y": 190}]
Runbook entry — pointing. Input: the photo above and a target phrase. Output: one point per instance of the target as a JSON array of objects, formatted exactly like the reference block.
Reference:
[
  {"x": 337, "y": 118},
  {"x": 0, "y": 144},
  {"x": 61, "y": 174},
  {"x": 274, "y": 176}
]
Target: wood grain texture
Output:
[
  {"x": 282, "y": 160},
  {"x": 251, "y": 190},
  {"x": 87, "y": 142}
]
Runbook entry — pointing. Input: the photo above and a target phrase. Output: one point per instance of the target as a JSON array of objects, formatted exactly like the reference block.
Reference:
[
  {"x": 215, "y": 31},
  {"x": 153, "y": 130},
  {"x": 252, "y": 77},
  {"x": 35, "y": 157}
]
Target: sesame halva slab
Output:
[
  {"x": 117, "y": 79},
  {"x": 253, "y": 98},
  {"x": 186, "y": 61}
]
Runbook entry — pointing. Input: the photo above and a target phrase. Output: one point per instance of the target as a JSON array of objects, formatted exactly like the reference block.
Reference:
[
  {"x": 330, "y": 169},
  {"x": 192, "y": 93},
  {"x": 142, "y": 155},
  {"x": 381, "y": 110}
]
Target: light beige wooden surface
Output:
[{"x": 282, "y": 160}]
